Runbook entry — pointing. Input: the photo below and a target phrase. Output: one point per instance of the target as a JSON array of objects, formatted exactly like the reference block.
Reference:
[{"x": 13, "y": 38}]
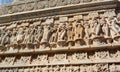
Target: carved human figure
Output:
[
  {"x": 105, "y": 27},
  {"x": 96, "y": 27},
  {"x": 62, "y": 32},
  {"x": 87, "y": 29},
  {"x": 39, "y": 34},
  {"x": 54, "y": 34},
  {"x": 20, "y": 36},
  {"x": 46, "y": 33},
  {"x": 13, "y": 37},
  {"x": 30, "y": 37},
  {"x": 87, "y": 32},
  {"x": 25, "y": 35},
  {"x": 13, "y": 42},
  {"x": 6, "y": 38},
  {"x": 32, "y": 33},
  {"x": 70, "y": 32},
  {"x": 97, "y": 34},
  {"x": 114, "y": 25},
  {"x": 2, "y": 33},
  {"x": 79, "y": 29},
  {"x": 62, "y": 35},
  {"x": 22, "y": 42}
]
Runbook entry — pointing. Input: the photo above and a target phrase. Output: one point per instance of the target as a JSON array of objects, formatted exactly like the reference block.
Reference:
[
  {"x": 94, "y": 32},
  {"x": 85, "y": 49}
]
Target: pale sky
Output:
[{"x": 5, "y": 1}]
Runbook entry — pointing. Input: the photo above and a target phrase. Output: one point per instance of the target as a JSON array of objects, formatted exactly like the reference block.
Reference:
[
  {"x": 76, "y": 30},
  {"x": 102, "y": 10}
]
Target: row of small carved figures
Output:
[
  {"x": 62, "y": 34},
  {"x": 59, "y": 58},
  {"x": 68, "y": 68}
]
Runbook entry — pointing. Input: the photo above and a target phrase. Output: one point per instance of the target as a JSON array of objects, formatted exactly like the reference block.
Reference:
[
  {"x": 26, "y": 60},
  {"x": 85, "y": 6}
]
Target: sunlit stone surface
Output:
[{"x": 60, "y": 36}]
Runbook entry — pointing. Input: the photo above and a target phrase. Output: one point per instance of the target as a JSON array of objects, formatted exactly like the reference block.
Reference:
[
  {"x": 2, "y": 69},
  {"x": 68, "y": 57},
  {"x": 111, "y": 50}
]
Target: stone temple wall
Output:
[{"x": 60, "y": 36}]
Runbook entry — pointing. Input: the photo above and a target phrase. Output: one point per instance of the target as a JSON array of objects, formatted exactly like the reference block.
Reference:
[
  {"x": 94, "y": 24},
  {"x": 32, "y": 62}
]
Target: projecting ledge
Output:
[{"x": 65, "y": 49}]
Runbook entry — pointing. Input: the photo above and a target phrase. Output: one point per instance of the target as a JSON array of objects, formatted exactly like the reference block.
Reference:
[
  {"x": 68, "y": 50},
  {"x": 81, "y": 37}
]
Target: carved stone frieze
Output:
[
  {"x": 51, "y": 32},
  {"x": 60, "y": 36},
  {"x": 72, "y": 68},
  {"x": 21, "y": 6},
  {"x": 62, "y": 58}
]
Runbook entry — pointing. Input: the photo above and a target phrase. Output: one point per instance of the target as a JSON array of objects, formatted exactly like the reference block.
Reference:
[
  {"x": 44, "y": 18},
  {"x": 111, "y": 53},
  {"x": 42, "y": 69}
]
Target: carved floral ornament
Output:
[
  {"x": 22, "y": 5},
  {"x": 79, "y": 30},
  {"x": 81, "y": 68},
  {"x": 59, "y": 62}
]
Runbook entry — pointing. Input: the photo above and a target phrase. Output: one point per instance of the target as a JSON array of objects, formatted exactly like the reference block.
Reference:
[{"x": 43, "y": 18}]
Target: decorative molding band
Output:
[{"x": 75, "y": 8}]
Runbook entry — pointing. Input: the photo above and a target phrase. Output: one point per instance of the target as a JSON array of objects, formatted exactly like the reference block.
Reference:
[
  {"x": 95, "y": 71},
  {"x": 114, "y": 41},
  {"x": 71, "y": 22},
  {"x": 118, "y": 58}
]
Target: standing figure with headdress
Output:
[
  {"x": 106, "y": 29},
  {"x": 114, "y": 26},
  {"x": 13, "y": 42},
  {"x": 38, "y": 36},
  {"x": 97, "y": 34},
  {"x": 6, "y": 38},
  {"x": 31, "y": 37},
  {"x": 20, "y": 36},
  {"x": 79, "y": 31},
  {"x": 53, "y": 38},
  {"x": 62, "y": 34},
  {"x": 96, "y": 28},
  {"x": 70, "y": 33},
  {"x": 46, "y": 35},
  {"x": 87, "y": 31}
]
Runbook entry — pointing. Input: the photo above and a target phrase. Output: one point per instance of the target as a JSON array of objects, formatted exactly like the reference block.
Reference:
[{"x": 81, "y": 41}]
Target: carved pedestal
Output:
[
  {"x": 98, "y": 41},
  {"x": 79, "y": 42},
  {"x": 61, "y": 43},
  {"x": 44, "y": 45},
  {"x": 117, "y": 39},
  {"x": 71, "y": 43},
  {"x": 53, "y": 44}
]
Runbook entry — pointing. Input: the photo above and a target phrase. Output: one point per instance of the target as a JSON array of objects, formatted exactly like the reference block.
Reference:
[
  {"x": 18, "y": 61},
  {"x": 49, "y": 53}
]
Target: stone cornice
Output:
[{"x": 60, "y": 10}]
